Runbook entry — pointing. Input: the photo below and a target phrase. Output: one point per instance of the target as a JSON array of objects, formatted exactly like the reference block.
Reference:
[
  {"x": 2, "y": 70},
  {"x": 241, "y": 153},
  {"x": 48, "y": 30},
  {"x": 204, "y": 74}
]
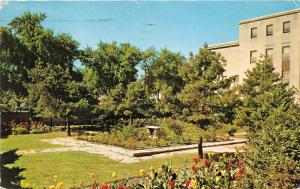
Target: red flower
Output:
[
  {"x": 196, "y": 159},
  {"x": 236, "y": 176},
  {"x": 104, "y": 186},
  {"x": 195, "y": 168},
  {"x": 187, "y": 183},
  {"x": 94, "y": 186},
  {"x": 240, "y": 163},
  {"x": 120, "y": 186},
  {"x": 241, "y": 170},
  {"x": 229, "y": 167},
  {"x": 171, "y": 184},
  {"x": 206, "y": 163}
]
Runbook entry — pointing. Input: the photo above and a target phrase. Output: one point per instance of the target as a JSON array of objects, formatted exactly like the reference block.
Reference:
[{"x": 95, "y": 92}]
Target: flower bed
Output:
[
  {"x": 171, "y": 133},
  {"x": 24, "y": 127}
]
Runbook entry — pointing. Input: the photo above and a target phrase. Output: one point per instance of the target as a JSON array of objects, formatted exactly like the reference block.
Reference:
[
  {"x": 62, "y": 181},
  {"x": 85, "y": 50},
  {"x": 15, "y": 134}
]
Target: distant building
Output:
[{"x": 276, "y": 36}]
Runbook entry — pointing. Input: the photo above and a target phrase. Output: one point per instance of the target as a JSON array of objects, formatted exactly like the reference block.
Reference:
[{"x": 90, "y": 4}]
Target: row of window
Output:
[
  {"x": 269, "y": 29},
  {"x": 285, "y": 60},
  {"x": 269, "y": 54}
]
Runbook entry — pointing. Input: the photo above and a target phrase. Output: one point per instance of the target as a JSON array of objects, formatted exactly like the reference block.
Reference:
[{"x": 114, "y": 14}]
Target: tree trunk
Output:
[
  {"x": 200, "y": 149},
  {"x": 130, "y": 119},
  {"x": 68, "y": 126}
]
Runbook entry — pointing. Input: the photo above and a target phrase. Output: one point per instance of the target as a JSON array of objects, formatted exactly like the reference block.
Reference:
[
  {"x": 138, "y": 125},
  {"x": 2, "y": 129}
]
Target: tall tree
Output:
[
  {"x": 167, "y": 82},
  {"x": 262, "y": 92},
  {"x": 43, "y": 61},
  {"x": 204, "y": 87},
  {"x": 113, "y": 64}
]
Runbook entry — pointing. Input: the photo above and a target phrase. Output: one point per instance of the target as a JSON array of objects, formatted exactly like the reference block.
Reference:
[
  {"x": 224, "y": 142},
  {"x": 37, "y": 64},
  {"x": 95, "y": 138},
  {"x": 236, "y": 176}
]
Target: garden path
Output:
[{"x": 123, "y": 155}]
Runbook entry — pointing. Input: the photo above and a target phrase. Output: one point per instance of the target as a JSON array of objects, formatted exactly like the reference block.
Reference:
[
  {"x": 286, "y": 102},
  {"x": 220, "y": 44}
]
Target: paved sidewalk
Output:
[{"x": 127, "y": 156}]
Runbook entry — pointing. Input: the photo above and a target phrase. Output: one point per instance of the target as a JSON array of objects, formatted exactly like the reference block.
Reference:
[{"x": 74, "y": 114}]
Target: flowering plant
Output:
[
  {"x": 211, "y": 172},
  {"x": 203, "y": 174}
]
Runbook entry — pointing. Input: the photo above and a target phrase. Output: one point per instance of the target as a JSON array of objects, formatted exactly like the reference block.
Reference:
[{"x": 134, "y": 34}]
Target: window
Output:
[
  {"x": 286, "y": 27},
  {"x": 269, "y": 30},
  {"x": 254, "y": 32},
  {"x": 285, "y": 64},
  {"x": 286, "y": 53},
  {"x": 269, "y": 54},
  {"x": 253, "y": 55}
]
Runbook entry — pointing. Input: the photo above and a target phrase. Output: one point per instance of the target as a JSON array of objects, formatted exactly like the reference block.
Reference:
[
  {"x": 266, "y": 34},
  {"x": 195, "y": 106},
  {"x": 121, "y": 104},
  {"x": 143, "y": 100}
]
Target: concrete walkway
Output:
[{"x": 123, "y": 155}]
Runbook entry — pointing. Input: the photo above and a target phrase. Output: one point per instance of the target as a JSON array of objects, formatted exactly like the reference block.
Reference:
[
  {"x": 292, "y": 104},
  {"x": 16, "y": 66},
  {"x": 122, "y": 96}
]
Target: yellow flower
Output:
[
  {"x": 151, "y": 175},
  {"x": 52, "y": 187},
  {"x": 26, "y": 184},
  {"x": 223, "y": 173},
  {"x": 143, "y": 173},
  {"x": 209, "y": 155},
  {"x": 59, "y": 185},
  {"x": 194, "y": 184},
  {"x": 93, "y": 175},
  {"x": 206, "y": 170},
  {"x": 114, "y": 174},
  {"x": 203, "y": 187},
  {"x": 151, "y": 168},
  {"x": 218, "y": 179},
  {"x": 224, "y": 155},
  {"x": 176, "y": 171},
  {"x": 159, "y": 170}
]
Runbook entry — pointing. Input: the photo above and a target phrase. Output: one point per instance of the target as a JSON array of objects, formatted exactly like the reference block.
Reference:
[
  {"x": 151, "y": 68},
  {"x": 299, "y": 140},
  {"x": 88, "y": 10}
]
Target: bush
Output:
[
  {"x": 20, "y": 130},
  {"x": 171, "y": 132},
  {"x": 273, "y": 158},
  {"x": 24, "y": 127},
  {"x": 230, "y": 129}
]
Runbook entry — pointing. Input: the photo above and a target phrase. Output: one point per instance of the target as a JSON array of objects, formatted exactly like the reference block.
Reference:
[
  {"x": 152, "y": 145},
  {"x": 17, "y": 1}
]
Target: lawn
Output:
[
  {"x": 28, "y": 141},
  {"x": 74, "y": 167}
]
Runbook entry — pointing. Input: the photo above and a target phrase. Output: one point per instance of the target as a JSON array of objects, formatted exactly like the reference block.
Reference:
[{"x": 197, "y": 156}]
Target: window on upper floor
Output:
[
  {"x": 254, "y": 32},
  {"x": 253, "y": 56},
  {"x": 286, "y": 27},
  {"x": 269, "y": 30},
  {"x": 286, "y": 53},
  {"x": 285, "y": 64},
  {"x": 269, "y": 54}
]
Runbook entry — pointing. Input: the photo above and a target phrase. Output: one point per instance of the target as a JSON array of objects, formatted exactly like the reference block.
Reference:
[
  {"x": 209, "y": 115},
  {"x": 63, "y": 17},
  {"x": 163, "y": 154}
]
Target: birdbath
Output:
[{"x": 152, "y": 130}]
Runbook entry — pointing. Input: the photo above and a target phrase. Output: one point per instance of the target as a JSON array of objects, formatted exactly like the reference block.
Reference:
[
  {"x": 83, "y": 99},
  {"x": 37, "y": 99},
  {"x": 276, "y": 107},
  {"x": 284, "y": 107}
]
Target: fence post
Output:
[{"x": 200, "y": 149}]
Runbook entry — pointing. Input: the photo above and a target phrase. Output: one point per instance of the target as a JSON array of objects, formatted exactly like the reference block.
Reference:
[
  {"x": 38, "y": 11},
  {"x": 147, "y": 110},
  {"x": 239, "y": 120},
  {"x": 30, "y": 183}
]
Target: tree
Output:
[
  {"x": 262, "y": 92},
  {"x": 43, "y": 63},
  {"x": 147, "y": 62},
  {"x": 113, "y": 64},
  {"x": 204, "y": 87},
  {"x": 13, "y": 63}
]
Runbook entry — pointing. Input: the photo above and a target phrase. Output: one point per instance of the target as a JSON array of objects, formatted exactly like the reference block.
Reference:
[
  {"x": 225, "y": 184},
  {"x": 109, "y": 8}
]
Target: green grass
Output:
[
  {"x": 72, "y": 167},
  {"x": 29, "y": 141}
]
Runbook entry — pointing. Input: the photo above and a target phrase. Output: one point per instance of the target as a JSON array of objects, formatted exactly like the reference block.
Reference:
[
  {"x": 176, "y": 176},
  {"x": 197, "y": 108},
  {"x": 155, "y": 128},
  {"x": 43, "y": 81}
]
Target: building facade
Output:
[{"x": 276, "y": 36}]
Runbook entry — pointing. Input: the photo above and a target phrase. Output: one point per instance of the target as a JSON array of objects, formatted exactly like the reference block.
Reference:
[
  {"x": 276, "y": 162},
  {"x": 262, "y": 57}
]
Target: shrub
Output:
[
  {"x": 20, "y": 130},
  {"x": 273, "y": 158},
  {"x": 230, "y": 129}
]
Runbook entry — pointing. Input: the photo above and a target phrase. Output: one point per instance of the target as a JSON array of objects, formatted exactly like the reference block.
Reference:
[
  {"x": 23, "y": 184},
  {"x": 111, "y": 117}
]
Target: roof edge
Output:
[
  {"x": 293, "y": 11},
  {"x": 224, "y": 45}
]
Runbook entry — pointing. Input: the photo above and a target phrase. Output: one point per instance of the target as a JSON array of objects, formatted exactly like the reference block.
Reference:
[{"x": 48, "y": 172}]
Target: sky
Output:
[{"x": 181, "y": 26}]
